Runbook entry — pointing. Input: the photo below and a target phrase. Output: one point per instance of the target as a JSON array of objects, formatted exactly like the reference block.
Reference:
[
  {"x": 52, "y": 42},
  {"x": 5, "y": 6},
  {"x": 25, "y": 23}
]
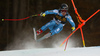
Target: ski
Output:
[
  {"x": 45, "y": 36},
  {"x": 35, "y": 37}
]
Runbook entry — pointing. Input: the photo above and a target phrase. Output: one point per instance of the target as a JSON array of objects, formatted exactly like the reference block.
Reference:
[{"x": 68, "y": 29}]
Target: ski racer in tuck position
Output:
[{"x": 60, "y": 19}]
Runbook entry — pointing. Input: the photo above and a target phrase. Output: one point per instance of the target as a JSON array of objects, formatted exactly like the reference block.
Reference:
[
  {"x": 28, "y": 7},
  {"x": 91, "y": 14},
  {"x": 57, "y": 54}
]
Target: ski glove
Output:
[
  {"x": 73, "y": 28},
  {"x": 42, "y": 14}
]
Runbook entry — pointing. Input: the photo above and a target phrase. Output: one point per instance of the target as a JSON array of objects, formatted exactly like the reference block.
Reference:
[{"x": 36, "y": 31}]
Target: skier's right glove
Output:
[
  {"x": 73, "y": 28},
  {"x": 42, "y": 14}
]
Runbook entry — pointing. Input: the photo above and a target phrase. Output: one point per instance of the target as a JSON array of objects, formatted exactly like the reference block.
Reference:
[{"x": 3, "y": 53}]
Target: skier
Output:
[{"x": 56, "y": 25}]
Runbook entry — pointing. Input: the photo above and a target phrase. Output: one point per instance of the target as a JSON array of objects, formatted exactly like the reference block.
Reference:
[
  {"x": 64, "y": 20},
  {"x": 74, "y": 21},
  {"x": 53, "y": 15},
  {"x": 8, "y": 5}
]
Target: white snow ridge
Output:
[{"x": 84, "y": 51}]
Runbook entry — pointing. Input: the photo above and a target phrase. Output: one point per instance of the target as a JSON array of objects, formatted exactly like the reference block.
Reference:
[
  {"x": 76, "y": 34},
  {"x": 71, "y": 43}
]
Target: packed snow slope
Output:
[{"x": 84, "y": 51}]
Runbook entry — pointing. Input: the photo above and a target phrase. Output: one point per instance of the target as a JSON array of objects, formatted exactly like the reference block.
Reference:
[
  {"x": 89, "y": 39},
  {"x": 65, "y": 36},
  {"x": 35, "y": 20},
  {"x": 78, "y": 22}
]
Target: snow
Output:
[{"x": 83, "y": 51}]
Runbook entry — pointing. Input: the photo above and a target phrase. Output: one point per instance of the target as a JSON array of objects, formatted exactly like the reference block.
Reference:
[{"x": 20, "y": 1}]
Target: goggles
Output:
[{"x": 63, "y": 10}]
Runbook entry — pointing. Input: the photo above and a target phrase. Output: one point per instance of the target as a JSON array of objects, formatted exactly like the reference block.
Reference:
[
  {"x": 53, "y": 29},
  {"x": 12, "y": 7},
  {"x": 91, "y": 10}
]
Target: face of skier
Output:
[{"x": 63, "y": 12}]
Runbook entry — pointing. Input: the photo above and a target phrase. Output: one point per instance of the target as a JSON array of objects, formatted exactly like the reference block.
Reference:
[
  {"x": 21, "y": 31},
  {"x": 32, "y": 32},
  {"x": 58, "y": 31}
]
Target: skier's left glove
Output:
[
  {"x": 73, "y": 28},
  {"x": 42, "y": 14}
]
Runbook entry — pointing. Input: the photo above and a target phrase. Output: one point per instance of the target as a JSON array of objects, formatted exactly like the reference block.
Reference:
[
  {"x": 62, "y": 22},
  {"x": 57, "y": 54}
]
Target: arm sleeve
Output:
[
  {"x": 51, "y": 12},
  {"x": 69, "y": 19}
]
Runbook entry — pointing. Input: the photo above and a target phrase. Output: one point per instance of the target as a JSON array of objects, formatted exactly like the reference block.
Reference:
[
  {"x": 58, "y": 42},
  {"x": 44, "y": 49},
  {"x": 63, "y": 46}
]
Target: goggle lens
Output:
[{"x": 63, "y": 10}]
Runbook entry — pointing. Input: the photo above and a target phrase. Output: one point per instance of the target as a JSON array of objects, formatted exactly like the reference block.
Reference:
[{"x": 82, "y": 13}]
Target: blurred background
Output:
[{"x": 17, "y": 35}]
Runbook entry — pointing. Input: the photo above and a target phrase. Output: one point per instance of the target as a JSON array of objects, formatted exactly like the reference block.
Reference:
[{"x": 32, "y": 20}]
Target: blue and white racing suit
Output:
[{"x": 56, "y": 25}]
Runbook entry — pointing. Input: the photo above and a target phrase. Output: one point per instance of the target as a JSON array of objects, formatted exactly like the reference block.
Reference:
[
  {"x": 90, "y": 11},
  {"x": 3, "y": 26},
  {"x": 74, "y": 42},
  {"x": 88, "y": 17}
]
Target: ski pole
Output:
[
  {"x": 21, "y": 18},
  {"x": 66, "y": 45}
]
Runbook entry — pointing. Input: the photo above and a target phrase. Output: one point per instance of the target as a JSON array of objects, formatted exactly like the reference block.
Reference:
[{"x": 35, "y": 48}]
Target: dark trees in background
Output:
[{"x": 13, "y": 9}]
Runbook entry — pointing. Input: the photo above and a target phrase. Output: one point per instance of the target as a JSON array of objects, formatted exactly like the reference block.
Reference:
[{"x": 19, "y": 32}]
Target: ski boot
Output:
[{"x": 38, "y": 32}]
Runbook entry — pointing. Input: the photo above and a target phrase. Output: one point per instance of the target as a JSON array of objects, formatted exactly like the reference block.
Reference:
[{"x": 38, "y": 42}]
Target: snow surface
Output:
[{"x": 83, "y": 51}]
